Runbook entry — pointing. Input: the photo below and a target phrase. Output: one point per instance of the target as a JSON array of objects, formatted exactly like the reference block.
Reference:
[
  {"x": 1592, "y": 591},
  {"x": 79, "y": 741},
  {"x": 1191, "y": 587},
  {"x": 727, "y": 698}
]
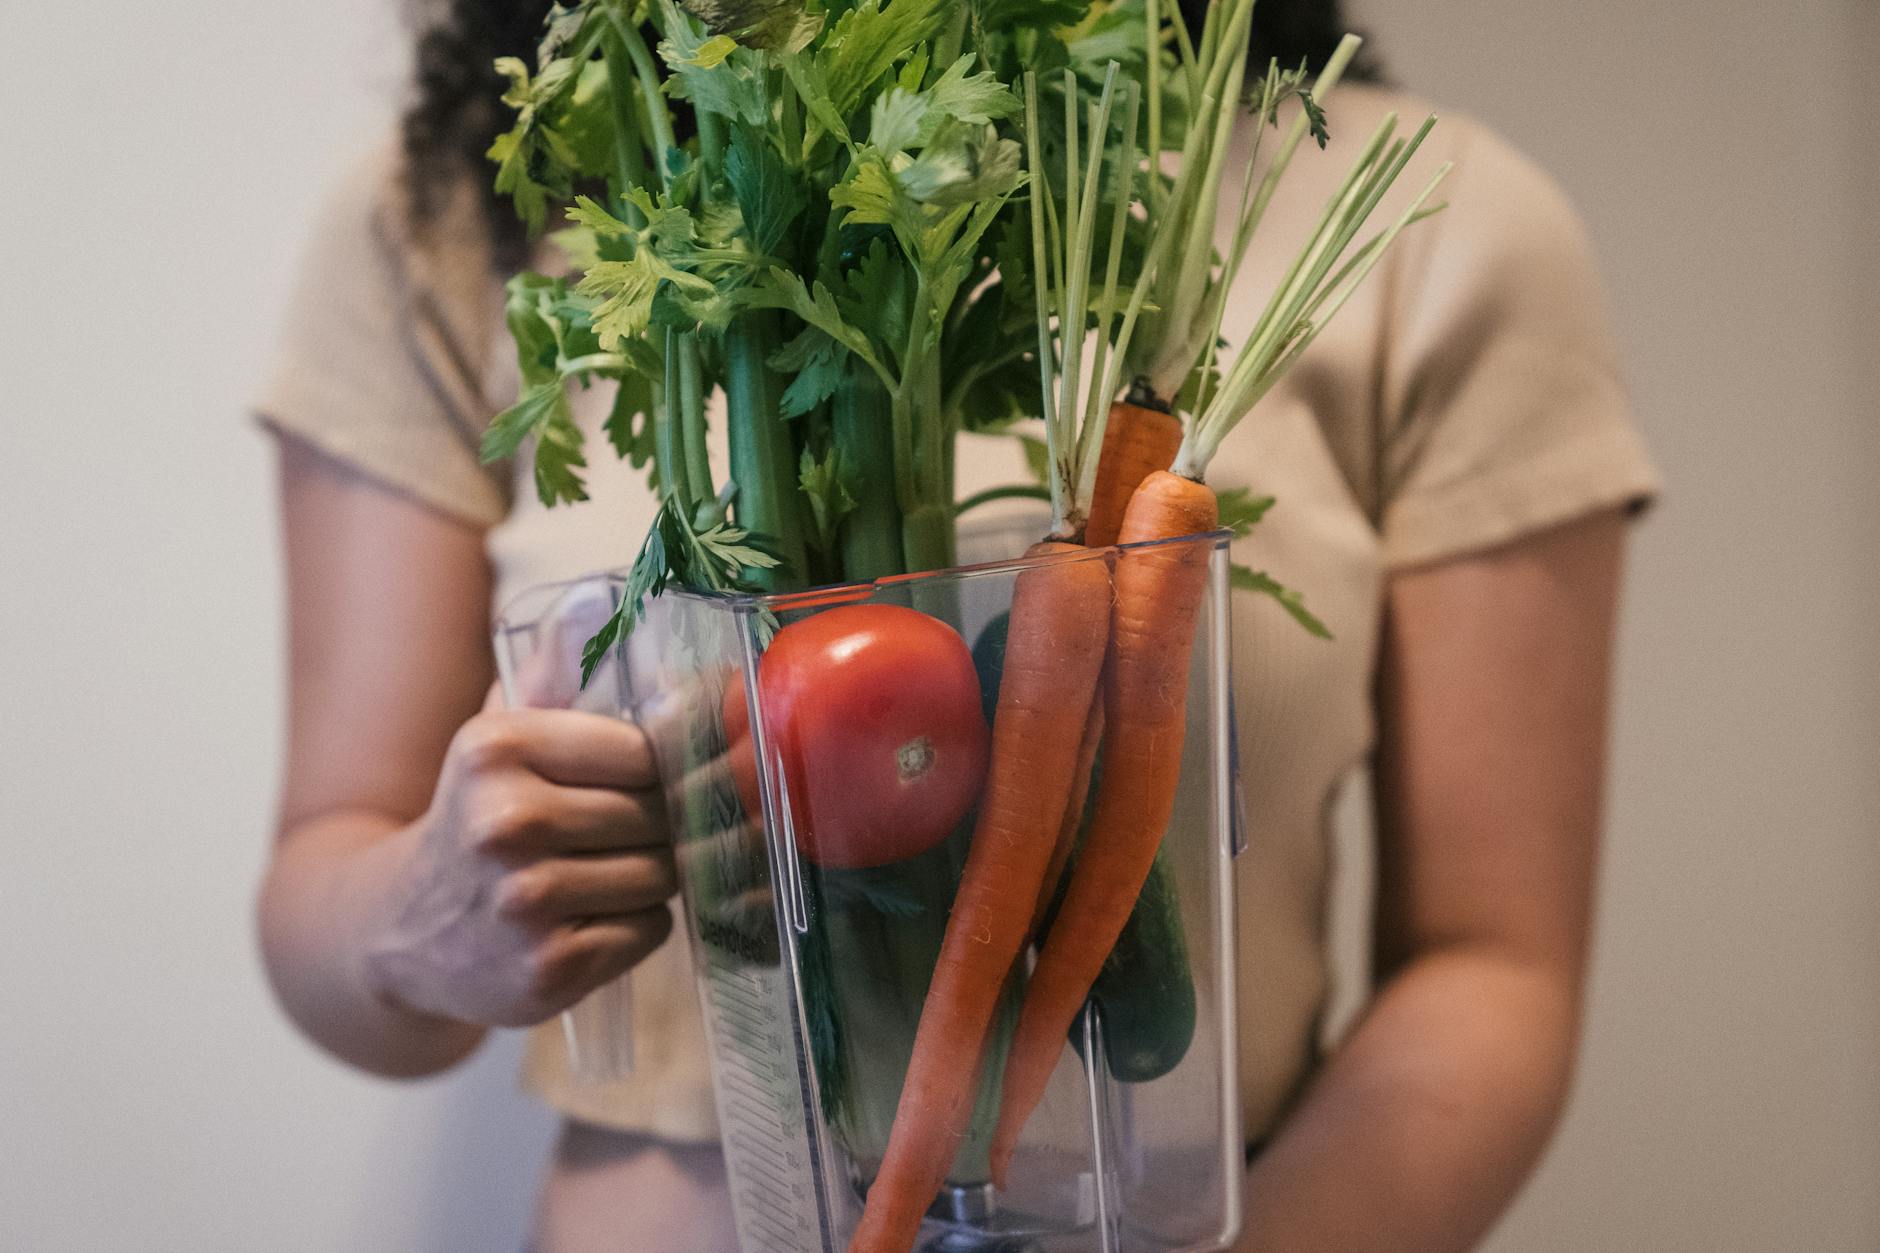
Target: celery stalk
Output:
[
  {"x": 669, "y": 455},
  {"x": 927, "y": 536},
  {"x": 763, "y": 447},
  {"x": 864, "y": 430},
  {"x": 691, "y": 416},
  {"x": 629, "y": 152}
]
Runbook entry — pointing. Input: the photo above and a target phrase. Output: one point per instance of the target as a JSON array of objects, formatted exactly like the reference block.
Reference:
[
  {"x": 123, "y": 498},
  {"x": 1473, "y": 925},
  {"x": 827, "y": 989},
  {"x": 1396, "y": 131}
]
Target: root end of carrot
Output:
[{"x": 1001, "y": 1165}]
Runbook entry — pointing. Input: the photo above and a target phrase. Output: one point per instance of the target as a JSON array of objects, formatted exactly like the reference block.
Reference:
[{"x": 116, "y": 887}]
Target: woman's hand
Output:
[
  {"x": 540, "y": 871},
  {"x": 437, "y": 869}
]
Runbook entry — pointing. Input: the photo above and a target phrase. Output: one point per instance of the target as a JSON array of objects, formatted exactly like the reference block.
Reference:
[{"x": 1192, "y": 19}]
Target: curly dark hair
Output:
[{"x": 457, "y": 110}]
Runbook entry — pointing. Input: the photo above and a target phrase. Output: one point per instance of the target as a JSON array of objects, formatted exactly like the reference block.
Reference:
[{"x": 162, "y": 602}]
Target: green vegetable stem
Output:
[
  {"x": 763, "y": 447},
  {"x": 871, "y": 531}
]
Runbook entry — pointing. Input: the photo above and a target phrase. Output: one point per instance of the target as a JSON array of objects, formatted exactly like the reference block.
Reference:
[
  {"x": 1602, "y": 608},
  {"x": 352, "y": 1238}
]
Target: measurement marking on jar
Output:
[
  {"x": 767, "y": 1093},
  {"x": 764, "y": 1169}
]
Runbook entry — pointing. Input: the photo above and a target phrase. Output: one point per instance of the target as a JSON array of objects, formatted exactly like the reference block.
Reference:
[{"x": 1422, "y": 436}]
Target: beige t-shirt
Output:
[{"x": 1468, "y": 396}]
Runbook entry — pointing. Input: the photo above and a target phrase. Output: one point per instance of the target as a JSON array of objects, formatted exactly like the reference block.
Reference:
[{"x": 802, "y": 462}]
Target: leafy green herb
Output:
[
  {"x": 825, "y": 483},
  {"x": 551, "y": 142},
  {"x": 714, "y": 72},
  {"x": 780, "y": 289},
  {"x": 770, "y": 194},
  {"x": 781, "y": 24},
  {"x": 721, "y": 557},
  {"x": 543, "y": 414},
  {"x": 692, "y": 261},
  {"x": 961, "y": 165},
  {"x": 816, "y": 362},
  {"x": 1315, "y": 116},
  {"x": 631, "y": 426},
  {"x": 866, "y": 42},
  {"x": 1241, "y": 510},
  {"x": 905, "y": 119},
  {"x": 1289, "y": 600},
  {"x": 555, "y": 345},
  {"x": 532, "y": 160},
  {"x": 1001, "y": 14}
]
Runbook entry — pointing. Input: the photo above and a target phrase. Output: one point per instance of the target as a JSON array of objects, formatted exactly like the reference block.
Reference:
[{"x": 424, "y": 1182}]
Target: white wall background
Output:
[
  {"x": 160, "y": 168},
  {"x": 1730, "y": 1094},
  {"x": 162, "y": 161}
]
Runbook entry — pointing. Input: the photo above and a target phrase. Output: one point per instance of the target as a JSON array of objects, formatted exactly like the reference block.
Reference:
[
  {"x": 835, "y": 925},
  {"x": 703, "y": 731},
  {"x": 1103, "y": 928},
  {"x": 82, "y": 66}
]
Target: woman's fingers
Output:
[
  {"x": 588, "y": 750},
  {"x": 599, "y": 820},
  {"x": 542, "y": 868},
  {"x": 576, "y": 960},
  {"x": 519, "y": 818},
  {"x": 735, "y": 855},
  {"x": 562, "y": 745},
  {"x": 565, "y": 889}
]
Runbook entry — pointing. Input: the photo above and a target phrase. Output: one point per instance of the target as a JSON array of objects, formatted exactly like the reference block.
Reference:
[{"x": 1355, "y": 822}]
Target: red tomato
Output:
[
  {"x": 877, "y": 719},
  {"x": 740, "y": 754}
]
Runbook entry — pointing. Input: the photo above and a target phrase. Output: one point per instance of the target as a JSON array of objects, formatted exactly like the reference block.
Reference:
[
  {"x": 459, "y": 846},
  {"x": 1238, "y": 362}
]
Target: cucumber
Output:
[
  {"x": 875, "y": 938},
  {"x": 989, "y": 660},
  {"x": 1146, "y": 990}
]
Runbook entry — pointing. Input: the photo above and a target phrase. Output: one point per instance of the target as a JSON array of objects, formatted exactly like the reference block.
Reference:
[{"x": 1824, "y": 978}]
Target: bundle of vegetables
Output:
[
  {"x": 824, "y": 248},
  {"x": 873, "y": 226}
]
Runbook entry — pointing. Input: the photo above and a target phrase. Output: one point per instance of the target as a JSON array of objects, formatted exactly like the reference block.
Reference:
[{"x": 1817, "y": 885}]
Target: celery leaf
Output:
[
  {"x": 780, "y": 24},
  {"x": 713, "y": 72},
  {"x": 781, "y": 289},
  {"x": 813, "y": 362},
  {"x": 825, "y": 483},
  {"x": 770, "y": 194},
  {"x": 632, "y": 425},
  {"x": 866, "y": 41},
  {"x": 1288, "y": 599},
  {"x": 1241, "y": 510}
]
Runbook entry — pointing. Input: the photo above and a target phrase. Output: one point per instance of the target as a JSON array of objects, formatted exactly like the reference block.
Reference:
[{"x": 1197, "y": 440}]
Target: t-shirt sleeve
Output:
[
  {"x": 1508, "y": 414},
  {"x": 379, "y": 365}
]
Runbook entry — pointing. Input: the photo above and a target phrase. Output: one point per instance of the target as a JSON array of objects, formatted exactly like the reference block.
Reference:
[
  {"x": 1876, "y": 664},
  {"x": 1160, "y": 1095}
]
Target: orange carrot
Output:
[
  {"x": 1073, "y": 811},
  {"x": 1060, "y": 628},
  {"x": 1137, "y": 441},
  {"x": 1158, "y": 598}
]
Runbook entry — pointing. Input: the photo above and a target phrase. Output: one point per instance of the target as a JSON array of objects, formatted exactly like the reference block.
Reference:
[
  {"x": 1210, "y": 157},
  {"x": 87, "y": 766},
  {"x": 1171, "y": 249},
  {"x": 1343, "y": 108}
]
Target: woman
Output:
[{"x": 1454, "y": 462}]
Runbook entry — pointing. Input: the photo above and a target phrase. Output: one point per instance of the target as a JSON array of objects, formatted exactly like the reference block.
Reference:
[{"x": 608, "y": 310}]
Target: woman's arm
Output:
[
  {"x": 1493, "y": 697},
  {"x": 437, "y": 868}
]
